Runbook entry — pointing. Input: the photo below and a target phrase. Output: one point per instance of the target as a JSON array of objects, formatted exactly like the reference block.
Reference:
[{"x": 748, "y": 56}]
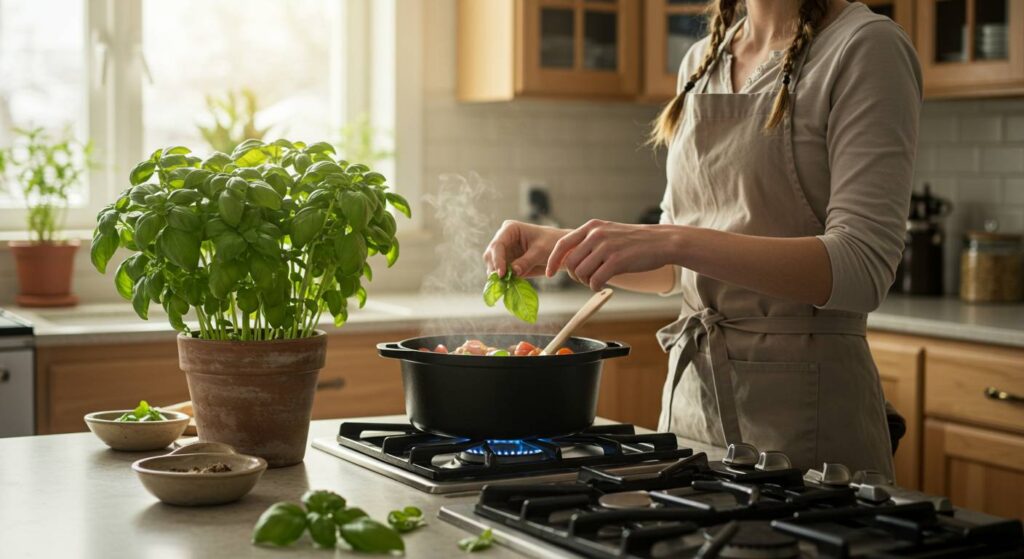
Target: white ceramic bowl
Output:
[
  {"x": 136, "y": 435},
  {"x": 196, "y": 489}
]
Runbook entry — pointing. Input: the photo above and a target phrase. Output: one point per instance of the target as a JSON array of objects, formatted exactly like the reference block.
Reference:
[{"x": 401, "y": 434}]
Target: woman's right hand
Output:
[{"x": 524, "y": 246}]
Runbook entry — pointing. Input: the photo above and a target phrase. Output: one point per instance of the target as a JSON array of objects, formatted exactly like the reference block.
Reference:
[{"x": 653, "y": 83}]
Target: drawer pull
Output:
[
  {"x": 994, "y": 393},
  {"x": 333, "y": 384}
]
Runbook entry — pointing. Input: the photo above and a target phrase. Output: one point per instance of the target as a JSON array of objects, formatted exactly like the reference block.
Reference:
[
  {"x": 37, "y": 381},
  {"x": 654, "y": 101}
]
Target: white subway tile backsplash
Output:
[
  {"x": 1002, "y": 160},
  {"x": 988, "y": 128},
  {"x": 1013, "y": 191},
  {"x": 957, "y": 159},
  {"x": 978, "y": 189},
  {"x": 1015, "y": 128},
  {"x": 937, "y": 129}
]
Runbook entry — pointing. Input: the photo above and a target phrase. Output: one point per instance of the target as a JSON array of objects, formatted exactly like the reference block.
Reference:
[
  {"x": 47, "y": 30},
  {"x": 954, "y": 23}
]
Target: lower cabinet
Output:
[{"x": 900, "y": 362}]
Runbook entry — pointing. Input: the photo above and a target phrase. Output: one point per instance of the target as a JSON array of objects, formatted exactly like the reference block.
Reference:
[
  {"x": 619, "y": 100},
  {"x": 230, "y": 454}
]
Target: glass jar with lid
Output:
[{"x": 992, "y": 267}]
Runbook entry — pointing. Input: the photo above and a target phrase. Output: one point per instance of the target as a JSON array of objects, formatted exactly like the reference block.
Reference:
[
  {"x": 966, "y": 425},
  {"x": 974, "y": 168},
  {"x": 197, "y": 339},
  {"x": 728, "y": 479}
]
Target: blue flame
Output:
[{"x": 507, "y": 447}]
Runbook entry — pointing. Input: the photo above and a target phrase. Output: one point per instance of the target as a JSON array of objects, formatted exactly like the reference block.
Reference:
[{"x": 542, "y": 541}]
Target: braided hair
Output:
[{"x": 722, "y": 14}]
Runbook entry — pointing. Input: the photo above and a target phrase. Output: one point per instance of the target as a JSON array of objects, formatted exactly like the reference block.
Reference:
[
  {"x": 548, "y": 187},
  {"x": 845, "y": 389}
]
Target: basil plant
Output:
[{"x": 258, "y": 243}]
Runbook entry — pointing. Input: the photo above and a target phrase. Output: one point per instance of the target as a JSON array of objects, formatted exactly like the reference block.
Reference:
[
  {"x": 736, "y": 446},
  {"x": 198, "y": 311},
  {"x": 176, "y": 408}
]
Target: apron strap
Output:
[{"x": 709, "y": 322}]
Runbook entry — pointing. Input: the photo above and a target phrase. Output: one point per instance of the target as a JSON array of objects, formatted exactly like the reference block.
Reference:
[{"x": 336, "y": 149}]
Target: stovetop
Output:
[
  {"x": 734, "y": 508},
  {"x": 438, "y": 464}
]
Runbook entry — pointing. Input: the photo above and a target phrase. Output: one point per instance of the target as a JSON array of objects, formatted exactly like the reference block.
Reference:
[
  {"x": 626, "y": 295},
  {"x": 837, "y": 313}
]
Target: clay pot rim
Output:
[
  {"x": 76, "y": 243},
  {"x": 182, "y": 336}
]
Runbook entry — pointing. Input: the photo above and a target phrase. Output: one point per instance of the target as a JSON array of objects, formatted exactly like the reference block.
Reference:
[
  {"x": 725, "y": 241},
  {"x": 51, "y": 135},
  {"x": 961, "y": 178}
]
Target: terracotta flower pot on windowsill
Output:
[{"x": 44, "y": 273}]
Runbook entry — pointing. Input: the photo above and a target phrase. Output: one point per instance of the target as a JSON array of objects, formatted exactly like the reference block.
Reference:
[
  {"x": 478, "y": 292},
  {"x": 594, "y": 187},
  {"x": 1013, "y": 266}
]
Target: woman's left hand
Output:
[{"x": 600, "y": 250}]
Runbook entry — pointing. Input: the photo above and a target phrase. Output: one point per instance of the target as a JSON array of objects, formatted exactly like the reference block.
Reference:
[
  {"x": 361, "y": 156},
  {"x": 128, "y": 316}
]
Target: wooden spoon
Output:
[{"x": 581, "y": 316}]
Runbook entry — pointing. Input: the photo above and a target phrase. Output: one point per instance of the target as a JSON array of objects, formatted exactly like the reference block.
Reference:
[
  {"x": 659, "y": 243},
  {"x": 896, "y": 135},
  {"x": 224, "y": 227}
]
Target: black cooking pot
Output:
[{"x": 481, "y": 397}]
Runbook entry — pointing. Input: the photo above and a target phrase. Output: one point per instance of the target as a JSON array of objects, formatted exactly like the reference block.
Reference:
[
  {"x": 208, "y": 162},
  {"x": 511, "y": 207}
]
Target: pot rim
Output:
[
  {"x": 21, "y": 243},
  {"x": 140, "y": 466},
  {"x": 178, "y": 418},
  {"x": 407, "y": 350},
  {"x": 191, "y": 339}
]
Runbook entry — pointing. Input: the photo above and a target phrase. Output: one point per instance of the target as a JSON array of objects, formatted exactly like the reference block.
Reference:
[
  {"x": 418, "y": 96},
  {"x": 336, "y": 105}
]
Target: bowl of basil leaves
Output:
[{"x": 140, "y": 429}]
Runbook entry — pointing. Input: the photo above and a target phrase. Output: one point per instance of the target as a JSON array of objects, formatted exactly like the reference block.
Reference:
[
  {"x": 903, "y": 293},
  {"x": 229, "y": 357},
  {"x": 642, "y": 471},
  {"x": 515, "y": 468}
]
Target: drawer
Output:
[
  {"x": 356, "y": 382},
  {"x": 958, "y": 376}
]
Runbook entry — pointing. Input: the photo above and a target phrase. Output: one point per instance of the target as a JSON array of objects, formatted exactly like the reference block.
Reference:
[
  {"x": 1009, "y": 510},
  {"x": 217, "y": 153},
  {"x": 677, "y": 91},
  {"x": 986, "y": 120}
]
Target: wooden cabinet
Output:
[
  {"x": 671, "y": 27},
  {"x": 971, "y": 48},
  {"x": 508, "y": 49},
  {"x": 900, "y": 368},
  {"x": 900, "y": 11},
  {"x": 980, "y": 469}
]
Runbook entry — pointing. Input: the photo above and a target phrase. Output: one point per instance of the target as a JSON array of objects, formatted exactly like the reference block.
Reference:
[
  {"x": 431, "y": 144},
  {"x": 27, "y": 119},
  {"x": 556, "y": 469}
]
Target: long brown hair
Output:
[{"x": 721, "y": 14}]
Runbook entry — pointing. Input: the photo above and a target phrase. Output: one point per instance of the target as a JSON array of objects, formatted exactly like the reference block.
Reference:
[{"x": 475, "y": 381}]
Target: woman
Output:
[{"x": 790, "y": 152}]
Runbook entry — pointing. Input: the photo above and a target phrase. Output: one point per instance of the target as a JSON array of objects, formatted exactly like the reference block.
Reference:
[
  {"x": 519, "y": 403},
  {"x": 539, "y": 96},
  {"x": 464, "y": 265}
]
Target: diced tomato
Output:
[
  {"x": 440, "y": 349},
  {"x": 524, "y": 348},
  {"x": 563, "y": 351},
  {"x": 424, "y": 349},
  {"x": 534, "y": 351}
]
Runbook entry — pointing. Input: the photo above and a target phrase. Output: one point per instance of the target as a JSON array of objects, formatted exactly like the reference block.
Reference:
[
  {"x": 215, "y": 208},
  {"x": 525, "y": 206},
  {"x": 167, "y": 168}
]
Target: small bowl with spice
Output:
[
  {"x": 143, "y": 428},
  {"x": 199, "y": 479}
]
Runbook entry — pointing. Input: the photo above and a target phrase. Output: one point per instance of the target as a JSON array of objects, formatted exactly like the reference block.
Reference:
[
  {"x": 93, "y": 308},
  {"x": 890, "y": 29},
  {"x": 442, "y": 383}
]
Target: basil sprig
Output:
[
  {"x": 477, "y": 543},
  {"x": 142, "y": 413},
  {"x": 280, "y": 525},
  {"x": 406, "y": 520},
  {"x": 520, "y": 297}
]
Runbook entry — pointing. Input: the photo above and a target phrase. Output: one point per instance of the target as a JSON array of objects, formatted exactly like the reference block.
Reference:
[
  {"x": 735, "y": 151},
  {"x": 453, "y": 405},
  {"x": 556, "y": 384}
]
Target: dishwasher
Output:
[{"x": 17, "y": 377}]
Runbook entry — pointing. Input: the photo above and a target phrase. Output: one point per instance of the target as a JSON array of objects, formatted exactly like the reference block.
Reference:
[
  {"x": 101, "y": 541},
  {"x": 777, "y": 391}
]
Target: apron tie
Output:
[{"x": 708, "y": 322}]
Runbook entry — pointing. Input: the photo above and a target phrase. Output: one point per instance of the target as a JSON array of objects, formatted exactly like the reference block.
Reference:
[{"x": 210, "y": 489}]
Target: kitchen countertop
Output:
[
  {"x": 69, "y": 495},
  {"x": 943, "y": 317}
]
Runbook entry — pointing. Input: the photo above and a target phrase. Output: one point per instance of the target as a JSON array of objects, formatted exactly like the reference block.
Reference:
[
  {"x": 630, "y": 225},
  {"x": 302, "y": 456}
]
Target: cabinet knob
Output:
[
  {"x": 994, "y": 393},
  {"x": 332, "y": 384}
]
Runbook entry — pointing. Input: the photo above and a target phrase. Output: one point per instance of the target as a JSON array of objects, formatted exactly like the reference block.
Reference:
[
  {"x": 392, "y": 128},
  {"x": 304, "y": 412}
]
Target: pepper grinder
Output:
[{"x": 920, "y": 270}]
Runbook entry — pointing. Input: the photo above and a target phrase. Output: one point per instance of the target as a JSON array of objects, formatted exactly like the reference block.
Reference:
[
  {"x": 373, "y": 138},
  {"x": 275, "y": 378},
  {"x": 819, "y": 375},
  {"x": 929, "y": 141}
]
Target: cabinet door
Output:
[
  {"x": 900, "y": 363},
  {"x": 977, "y": 468},
  {"x": 671, "y": 27},
  {"x": 578, "y": 48},
  {"x": 971, "y": 47},
  {"x": 900, "y": 11},
  {"x": 355, "y": 381}
]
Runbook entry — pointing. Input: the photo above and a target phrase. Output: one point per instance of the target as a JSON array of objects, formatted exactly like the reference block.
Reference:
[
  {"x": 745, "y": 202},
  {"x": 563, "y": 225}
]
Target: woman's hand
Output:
[
  {"x": 600, "y": 250},
  {"x": 523, "y": 245}
]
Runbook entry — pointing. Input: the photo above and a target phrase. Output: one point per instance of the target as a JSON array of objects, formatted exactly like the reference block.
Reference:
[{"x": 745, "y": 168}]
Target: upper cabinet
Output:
[
  {"x": 900, "y": 11},
  {"x": 671, "y": 27},
  {"x": 971, "y": 48},
  {"x": 548, "y": 48}
]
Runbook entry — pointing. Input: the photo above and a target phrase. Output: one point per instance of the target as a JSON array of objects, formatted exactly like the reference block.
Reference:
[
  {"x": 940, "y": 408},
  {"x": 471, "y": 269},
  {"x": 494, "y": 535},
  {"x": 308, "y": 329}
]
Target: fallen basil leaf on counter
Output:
[
  {"x": 520, "y": 297},
  {"x": 406, "y": 520},
  {"x": 280, "y": 525},
  {"x": 322, "y": 501},
  {"x": 477, "y": 543},
  {"x": 369, "y": 536},
  {"x": 344, "y": 516},
  {"x": 322, "y": 529}
]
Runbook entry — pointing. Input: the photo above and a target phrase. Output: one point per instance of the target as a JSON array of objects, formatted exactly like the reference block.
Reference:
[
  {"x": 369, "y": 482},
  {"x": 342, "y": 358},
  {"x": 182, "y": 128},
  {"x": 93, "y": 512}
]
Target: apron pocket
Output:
[{"x": 777, "y": 407}]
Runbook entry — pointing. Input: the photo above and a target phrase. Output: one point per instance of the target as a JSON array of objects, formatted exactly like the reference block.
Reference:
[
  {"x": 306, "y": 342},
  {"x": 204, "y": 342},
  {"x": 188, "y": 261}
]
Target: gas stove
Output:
[
  {"x": 749, "y": 505},
  {"x": 438, "y": 464}
]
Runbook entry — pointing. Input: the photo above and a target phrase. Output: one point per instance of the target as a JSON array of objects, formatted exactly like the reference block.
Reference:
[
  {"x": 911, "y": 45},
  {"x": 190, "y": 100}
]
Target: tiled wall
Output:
[{"x": 972, "y": 152}]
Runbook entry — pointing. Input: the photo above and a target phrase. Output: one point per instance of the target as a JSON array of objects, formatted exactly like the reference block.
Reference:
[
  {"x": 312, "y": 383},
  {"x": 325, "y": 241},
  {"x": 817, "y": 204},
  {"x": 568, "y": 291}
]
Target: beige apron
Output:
[{"x": 744, "y": 366}]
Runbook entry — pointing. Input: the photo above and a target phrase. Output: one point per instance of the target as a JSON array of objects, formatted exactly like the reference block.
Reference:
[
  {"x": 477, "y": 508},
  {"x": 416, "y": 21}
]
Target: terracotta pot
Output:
[
  {"x": 44, "y": 273},
  {"x": 254, "y": 396}
]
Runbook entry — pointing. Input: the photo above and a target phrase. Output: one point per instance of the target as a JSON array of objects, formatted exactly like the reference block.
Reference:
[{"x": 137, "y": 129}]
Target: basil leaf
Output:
[
  {"x": 264, "y": 195},
  {"x": 494, "y": 289},
  {"x": 322, "y": 529},
  {"x": 147, "y": 228},
  {"x": 184, "y": 219},
  {"x": 521, "y": 300},
  {"x": 104, "y": 245},
  {"x": 477, "y": 543},
  {"x": 230, "y": 206},
  {"x": 123, "y": 282},
  {"x": 180, "y": 247},
  {"x": 140, "y": 298},
  {"x": 306, "y": 225},
  {"x": 392, "y": 254},
  {"x": 406, "y": 520},
  {"x": 345, "y": 516},
  {"x": 322, "y": 501},
  {"x": 369, "y": 536},
  {"x": 142, "y": 172},
  {"x": 280, "y": 525},
  {"x": 351, "y": 252}
]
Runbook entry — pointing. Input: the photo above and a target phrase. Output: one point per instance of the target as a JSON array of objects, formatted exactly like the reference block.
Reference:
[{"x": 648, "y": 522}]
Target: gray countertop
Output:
[
  {"x": 70, "y": 496},
  {"x": 943, "y": 317}
]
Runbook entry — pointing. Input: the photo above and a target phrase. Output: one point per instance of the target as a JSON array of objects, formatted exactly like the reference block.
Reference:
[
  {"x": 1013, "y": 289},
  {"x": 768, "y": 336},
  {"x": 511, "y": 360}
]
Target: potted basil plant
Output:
[
  {"x": 45, "y": 169},
  {"x": 257, "y": 246}
]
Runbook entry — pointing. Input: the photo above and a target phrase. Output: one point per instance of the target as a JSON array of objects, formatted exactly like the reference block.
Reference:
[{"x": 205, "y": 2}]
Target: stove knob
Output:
[
  {"x": 870, "y": 477},
  {"x": 772, "y": 460},
  {"x": 742, "y": 455},
  {"x": 872, "y": 493}
]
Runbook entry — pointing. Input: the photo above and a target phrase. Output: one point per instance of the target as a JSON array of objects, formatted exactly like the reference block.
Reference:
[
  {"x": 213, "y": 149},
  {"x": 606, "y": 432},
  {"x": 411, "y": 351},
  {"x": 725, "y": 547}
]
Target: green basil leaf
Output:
[
  {"x": 306, "y": 225},
  {"x": 180, "y": 247},
  {"x": 494, "y": 289},
  {"x": 216, "y": 227},
  {"x": 279, "y": 525},
  {"x": 477, "y": 543},
  {"x": 229, "y": 245},
  {"x": 123, "y": 282},
  {"x": 184, "y": 197},
  {"x": 321, "y": 148},
  {"x": 248, "y": 300},
  {"x": 142, "y": 172},
  {"x": 231, "y": 207},
  {"x": 322, "y": 501},
  {"x": 344, "y": 516},
  {"x": 104, "y": 245},
  {"x": 392, "y": 254},
  {"x": 521, "y": 300},
  {"x": 369, "y": 536},
  {"x": 264, "y": 195},
  {"x": 356, "y": 209},
  {"x": 400, "y": 203},
  {"x": 302, "y": 162},
  {"x": 334, "y": 301},
  {"x": 322, "y": 529},
  {"x": 184, "y": 219},
  {"x": 216, "y": 161},
  {"x": 140, "y": 298},
  {"x": 361, "y": 296},
  {"x": 374, "y": 178},
  {"x": 351, "y": 252},
  {"x": 406, "y": 520},
  {"x": 267, "y": 245}
]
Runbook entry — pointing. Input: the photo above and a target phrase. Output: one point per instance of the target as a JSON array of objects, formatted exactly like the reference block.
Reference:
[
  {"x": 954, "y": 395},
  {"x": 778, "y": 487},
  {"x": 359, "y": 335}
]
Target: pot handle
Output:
[
  {"x": 392, "y": 350},
  {"x": 614, "y": 349}
]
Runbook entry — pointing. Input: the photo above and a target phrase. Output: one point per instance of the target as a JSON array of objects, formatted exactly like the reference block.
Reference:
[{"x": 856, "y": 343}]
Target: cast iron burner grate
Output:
[{"x": 442, "y": 458}]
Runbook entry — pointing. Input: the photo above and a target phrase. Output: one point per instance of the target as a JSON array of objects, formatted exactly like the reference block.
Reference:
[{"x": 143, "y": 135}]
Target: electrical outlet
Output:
[{"x": 526, "y": 186}]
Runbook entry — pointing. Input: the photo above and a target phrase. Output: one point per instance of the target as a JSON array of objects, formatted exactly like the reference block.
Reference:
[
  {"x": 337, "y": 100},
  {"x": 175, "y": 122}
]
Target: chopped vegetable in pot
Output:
[{"x": 477, "y": 347}]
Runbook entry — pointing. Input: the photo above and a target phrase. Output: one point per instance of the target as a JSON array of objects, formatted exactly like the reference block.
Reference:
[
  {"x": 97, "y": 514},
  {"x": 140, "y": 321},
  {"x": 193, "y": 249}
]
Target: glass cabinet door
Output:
[
  {"x": 991, "y": 27},
  {"x": 671, "y": 27},
  {"x": 580, "y": 47},
  {"x": 900, "y": 11}
]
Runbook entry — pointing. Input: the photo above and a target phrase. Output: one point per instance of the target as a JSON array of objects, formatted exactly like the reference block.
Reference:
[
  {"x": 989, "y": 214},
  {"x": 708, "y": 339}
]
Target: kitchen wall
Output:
[{"x": 972, "y": 152}]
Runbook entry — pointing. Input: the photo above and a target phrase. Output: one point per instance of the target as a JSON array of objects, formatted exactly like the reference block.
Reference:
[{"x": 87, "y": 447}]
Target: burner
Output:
[
  {"x": 756, "y": 540},
  {"x": 509, "y": 450}
]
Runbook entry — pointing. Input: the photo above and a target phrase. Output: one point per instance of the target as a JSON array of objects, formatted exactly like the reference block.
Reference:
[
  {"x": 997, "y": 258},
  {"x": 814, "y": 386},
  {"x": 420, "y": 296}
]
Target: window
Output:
[{"x": 135, "y": 75}]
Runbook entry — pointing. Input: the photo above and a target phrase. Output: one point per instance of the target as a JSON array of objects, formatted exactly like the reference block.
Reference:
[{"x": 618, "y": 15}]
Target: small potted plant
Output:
[
  {"x": 45, "y": 169},
  {"x": 255, "y": 245}
]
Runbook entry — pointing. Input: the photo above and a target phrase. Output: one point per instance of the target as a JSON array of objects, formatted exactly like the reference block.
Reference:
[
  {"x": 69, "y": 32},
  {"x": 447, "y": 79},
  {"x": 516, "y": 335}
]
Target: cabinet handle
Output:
[
  {"x": 993, "y": 393},
  {"x": 5, "y": 375},
  {"x": 333, "y": 384}
]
